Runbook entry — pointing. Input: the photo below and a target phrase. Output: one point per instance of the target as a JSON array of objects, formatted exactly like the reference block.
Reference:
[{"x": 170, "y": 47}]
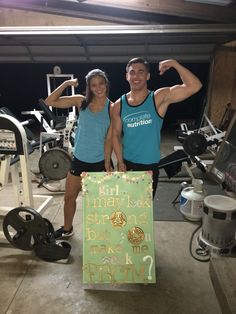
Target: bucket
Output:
[
  {"x": 191, "y": 201},
  {"x": 219, "y": 221}
]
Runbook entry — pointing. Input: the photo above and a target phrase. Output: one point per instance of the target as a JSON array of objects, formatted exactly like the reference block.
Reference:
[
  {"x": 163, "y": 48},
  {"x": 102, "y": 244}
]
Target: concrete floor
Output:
[{"x": 30, "y": 285}]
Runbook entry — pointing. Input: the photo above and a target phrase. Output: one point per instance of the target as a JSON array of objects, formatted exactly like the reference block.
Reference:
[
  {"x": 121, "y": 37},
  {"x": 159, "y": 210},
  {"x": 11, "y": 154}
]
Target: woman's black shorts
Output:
[{"x": 78, "y": 166}]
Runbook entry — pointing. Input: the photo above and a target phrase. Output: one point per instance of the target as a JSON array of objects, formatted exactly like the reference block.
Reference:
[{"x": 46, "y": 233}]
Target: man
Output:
[{"x": 138, "y": 115}]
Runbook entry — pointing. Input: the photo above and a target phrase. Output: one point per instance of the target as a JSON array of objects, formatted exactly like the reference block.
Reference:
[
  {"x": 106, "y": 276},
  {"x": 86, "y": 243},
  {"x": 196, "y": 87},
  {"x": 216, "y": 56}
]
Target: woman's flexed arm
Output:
[{"x": 56, "y": 100}]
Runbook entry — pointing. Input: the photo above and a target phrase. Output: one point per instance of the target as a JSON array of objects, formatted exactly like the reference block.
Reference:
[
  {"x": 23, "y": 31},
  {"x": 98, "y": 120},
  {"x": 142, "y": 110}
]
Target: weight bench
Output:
[
  {"x": 172, "y": 163},
  {"x": 59, "y": 122}
]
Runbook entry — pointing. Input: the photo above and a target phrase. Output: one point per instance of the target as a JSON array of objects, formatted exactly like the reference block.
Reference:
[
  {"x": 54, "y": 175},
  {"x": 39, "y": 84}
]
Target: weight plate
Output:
[
  {"x": 51, "y": 232},
  {"x": 54, "y": 164},
  {"x": 23, "y": 227},
  {"x": 195, "y": 144}
]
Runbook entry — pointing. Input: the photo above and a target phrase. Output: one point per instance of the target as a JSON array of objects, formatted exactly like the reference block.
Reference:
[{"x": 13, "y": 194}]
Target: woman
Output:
[{"x": 92, "y": 148}]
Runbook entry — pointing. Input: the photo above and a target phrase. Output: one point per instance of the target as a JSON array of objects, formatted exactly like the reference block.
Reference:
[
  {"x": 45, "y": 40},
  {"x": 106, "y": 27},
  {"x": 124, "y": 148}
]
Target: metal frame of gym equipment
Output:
[{"x": 13, "y": 141}]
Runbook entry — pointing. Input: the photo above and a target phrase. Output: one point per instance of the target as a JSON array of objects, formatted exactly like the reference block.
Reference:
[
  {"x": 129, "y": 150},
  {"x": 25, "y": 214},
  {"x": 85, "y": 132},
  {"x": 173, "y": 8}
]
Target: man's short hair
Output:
[{"x": 138, "y": 60}]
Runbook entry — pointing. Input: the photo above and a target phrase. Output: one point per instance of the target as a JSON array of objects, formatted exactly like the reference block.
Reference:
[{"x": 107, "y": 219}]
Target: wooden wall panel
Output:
[{"x": 222, "y": 83}]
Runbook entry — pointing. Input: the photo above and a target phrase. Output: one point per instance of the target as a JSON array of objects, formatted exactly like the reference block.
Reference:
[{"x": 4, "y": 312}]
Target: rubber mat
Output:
[{"x": 163, "y": 209}]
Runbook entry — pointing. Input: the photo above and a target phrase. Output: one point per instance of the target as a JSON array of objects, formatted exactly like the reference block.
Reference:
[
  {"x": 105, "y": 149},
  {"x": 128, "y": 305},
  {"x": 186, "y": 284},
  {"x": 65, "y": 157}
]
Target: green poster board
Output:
[{"x": 118, "y": 244}]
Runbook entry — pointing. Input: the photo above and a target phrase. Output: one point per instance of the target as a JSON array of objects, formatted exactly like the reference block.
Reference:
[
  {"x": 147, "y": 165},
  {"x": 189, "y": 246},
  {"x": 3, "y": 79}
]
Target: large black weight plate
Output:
[
  {"x": 54, "y": 164},
  {"x": 195, "y": 144},
  {"x": 23, "y": 227}
]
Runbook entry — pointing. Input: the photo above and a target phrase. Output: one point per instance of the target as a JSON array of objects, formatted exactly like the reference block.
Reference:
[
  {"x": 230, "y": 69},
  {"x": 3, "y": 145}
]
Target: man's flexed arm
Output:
[
  {"x": 56, "y": 100},
  {"x": 167, "y": 95},
  {"x": 117, "y": 134}
]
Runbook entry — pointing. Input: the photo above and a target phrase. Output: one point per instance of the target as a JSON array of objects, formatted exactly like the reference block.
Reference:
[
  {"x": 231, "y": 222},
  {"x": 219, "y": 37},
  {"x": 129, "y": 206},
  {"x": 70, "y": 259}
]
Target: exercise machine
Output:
[
  {"x": 60, "y": 128},
  {"x": 195, "y": 142},
  {"x": 55, "y": 160},
  {"x": 201, "y": 145},
  {"x": 14, "y": 160}
]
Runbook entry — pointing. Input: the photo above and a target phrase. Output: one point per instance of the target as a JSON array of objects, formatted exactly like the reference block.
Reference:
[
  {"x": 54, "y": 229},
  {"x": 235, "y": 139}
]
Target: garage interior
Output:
[{"x": 78, "y": 35}]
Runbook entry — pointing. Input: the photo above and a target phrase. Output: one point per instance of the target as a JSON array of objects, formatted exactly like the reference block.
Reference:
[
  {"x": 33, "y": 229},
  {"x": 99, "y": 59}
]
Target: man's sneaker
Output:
[{"x": 63, "y": 234}]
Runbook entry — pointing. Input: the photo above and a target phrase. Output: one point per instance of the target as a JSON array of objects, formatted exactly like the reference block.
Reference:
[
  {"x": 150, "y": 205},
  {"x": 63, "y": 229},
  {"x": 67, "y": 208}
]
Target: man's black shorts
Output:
[{"x": 142, "y": 167}]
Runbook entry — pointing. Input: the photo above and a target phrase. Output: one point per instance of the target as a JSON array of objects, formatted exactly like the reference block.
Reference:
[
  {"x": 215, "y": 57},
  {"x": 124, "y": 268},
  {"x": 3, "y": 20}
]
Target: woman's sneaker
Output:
[{"x": 63, "y": 234}]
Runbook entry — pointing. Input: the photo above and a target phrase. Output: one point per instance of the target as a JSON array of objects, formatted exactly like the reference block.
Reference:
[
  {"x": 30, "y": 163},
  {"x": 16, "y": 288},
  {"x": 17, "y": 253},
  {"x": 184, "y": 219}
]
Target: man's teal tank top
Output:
[
  {"x": 91, "y": 133},
  {"x": 141, "y": 131}
]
